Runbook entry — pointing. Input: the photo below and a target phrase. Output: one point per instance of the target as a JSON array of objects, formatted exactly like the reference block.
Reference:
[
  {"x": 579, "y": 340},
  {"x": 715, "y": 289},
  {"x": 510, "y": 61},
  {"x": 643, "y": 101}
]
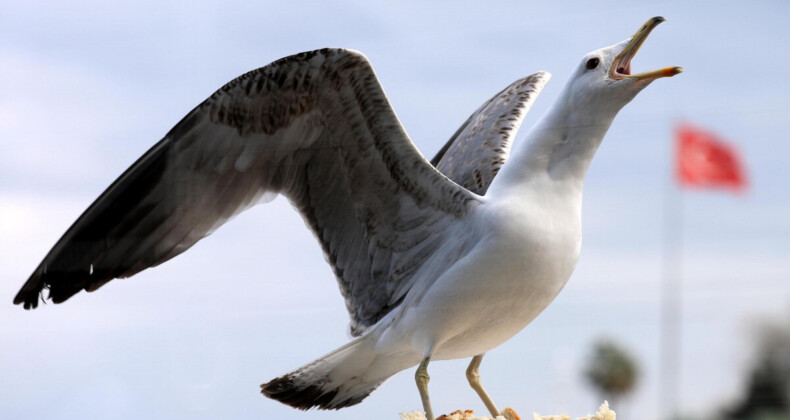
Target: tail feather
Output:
[
  {"x": 288, "y": 390},
  {"x": 340, "y": 379}
]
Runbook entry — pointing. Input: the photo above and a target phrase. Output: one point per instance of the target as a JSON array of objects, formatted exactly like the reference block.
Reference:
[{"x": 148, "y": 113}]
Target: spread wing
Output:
[
  {"x": 476, "y": 152},
  {"x": 315, "y": 127}
]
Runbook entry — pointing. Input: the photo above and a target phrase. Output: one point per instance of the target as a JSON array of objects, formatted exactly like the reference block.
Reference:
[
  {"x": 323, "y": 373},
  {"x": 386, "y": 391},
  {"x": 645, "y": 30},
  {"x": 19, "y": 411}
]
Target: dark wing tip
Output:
[
  {"x": 27, "y": 300},
  {"x": 31, "y": 292},
  {"x": 60, "y": 285}
]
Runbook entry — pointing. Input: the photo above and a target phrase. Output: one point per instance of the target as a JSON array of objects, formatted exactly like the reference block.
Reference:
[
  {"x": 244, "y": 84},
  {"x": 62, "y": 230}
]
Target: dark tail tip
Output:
[{"x": 306, "y": 396}]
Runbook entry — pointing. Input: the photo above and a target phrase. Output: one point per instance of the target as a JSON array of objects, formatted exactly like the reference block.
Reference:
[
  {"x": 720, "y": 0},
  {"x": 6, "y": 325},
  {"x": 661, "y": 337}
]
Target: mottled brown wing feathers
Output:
[
  {"x": 475, "y": 153},
  {"x": 315, "y": 127}
]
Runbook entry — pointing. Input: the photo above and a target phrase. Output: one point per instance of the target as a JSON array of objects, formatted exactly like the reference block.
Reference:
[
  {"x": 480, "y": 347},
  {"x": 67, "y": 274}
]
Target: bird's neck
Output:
[{"x": 556, "y": 152}]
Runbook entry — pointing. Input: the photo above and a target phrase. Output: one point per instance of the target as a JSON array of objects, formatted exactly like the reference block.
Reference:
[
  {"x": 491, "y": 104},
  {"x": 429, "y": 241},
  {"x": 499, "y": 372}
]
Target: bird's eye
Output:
[{"x": 593, "y": 63}]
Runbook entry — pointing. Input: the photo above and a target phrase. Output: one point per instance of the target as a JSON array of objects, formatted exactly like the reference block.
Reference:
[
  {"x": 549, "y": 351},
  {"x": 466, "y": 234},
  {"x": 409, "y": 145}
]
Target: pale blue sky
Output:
[{"x": 89, "y": 86}]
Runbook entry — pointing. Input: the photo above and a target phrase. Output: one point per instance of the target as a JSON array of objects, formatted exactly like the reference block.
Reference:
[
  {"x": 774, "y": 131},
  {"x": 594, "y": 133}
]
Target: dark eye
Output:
[{"x": 592, "y": 63}]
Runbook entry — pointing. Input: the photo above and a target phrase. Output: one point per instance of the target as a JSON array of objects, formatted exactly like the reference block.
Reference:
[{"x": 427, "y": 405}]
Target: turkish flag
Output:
[{"x": 705, "y": 161}]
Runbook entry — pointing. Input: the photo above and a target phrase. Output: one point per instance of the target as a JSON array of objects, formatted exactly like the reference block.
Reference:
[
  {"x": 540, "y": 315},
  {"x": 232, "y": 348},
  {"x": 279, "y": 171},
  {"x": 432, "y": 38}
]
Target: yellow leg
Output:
[
  {"x": 473, "y": 375},
  {"x": 422, "y": 379}
]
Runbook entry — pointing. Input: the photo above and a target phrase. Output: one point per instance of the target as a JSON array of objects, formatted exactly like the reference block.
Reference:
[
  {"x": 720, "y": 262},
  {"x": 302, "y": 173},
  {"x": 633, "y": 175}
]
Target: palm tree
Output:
[{"x": 611, "y": 371}]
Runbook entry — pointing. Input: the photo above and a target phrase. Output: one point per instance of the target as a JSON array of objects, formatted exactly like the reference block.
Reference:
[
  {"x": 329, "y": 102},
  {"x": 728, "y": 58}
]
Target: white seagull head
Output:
[{"x": 603, "y": 78}]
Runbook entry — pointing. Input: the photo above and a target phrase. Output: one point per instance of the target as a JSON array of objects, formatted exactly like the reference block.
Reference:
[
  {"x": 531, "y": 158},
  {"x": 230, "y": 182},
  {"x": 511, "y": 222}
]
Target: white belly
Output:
[{"x": 488, "y": 296}]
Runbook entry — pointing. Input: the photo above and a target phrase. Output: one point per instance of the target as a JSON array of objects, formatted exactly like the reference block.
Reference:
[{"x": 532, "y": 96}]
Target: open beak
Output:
[{"x": 621, "y": 66}]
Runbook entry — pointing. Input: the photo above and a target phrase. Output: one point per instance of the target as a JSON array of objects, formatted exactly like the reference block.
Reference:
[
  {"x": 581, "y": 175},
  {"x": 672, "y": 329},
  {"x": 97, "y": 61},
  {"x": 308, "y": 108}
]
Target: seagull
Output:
[{"x": 436, "y": 260}]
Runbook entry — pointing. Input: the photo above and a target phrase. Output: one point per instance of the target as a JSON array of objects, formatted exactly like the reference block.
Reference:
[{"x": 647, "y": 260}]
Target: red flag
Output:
[{"x": 705, "y": 161}]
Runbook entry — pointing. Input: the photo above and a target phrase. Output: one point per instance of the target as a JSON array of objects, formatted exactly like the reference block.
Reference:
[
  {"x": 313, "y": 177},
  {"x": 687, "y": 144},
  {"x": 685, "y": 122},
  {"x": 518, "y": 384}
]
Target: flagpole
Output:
[
  {"x": 700, "y": 160},
  {"x": 671, "y": 298}
]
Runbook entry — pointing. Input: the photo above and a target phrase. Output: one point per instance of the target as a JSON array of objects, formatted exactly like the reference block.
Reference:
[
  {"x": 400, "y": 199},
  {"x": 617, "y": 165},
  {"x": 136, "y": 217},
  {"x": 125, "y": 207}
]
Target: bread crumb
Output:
[{"x": 604, "y": 413}]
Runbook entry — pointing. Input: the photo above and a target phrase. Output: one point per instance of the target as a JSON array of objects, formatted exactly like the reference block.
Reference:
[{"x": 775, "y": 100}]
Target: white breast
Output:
[{"x": 526, "y": 253}]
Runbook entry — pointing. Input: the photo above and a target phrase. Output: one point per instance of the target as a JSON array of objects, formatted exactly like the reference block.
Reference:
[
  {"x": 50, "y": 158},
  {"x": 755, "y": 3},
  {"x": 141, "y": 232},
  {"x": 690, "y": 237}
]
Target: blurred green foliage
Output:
[{"x": 611, "y": 370}]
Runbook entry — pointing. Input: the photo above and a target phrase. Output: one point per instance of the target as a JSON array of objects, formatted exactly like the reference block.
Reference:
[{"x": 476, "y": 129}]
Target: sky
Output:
[{"x": 88, "y": 86}]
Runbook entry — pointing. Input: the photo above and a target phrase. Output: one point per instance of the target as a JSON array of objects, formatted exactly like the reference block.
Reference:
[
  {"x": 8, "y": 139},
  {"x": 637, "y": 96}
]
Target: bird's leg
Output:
[
  {"x": 473, "y": 375},
  {"x": 422, "y": 379}
]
